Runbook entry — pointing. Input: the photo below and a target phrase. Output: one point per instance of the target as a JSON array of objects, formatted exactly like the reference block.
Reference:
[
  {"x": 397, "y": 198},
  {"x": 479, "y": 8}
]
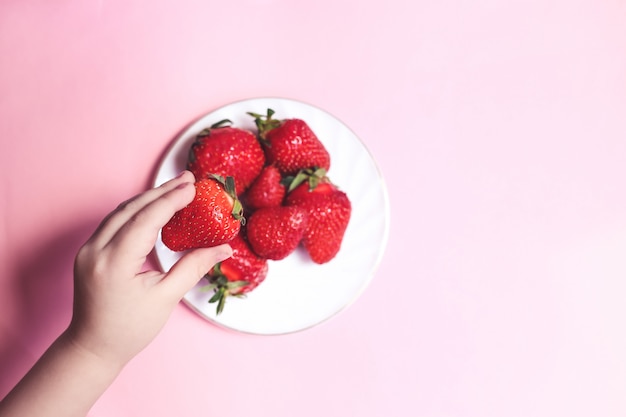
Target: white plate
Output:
[{"x": 297, "y": 293}]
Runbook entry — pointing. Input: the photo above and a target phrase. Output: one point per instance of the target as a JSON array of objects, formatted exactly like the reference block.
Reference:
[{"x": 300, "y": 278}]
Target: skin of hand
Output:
[{"x": 119, "y": 308}]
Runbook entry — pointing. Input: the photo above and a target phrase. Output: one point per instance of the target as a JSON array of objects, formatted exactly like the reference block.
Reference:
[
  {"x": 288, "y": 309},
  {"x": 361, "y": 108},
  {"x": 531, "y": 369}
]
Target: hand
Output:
[{"x": 118, "y": 308}]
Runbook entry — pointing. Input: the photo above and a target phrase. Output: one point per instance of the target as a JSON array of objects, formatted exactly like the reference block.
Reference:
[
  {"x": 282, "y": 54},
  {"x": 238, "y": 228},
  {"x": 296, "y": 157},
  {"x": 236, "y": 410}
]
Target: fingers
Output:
[
  {"x": 136, "y": 238},
  {"x": 191, "y": 268},
  {"x": 126, "y": 211}
]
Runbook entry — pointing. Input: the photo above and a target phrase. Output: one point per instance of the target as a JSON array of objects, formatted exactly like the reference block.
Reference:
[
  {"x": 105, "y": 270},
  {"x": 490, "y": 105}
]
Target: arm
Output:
[
  {"x": 66, "y": 381},
  {"x": 118, "y": 308}
]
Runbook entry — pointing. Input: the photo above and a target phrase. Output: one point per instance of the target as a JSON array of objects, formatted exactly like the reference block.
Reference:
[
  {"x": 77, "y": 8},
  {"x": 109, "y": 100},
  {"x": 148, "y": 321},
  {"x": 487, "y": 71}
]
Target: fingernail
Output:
[
  {"x": 225, "y": 253},
  {"x": 180, "y": 174}
]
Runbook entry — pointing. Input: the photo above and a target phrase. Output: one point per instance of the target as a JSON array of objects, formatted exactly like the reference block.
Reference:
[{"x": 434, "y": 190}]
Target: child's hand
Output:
[{"x": 118, "y": 309}]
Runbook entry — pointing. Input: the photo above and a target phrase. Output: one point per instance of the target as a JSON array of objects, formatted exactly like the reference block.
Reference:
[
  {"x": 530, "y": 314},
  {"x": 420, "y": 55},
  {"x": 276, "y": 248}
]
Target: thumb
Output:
[{"x": 189, "y": 269}]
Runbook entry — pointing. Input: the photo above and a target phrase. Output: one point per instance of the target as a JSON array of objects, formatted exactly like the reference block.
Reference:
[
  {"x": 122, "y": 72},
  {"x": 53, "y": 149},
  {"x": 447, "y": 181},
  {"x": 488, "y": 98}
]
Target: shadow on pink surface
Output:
[{"x": 43, "y": 289}]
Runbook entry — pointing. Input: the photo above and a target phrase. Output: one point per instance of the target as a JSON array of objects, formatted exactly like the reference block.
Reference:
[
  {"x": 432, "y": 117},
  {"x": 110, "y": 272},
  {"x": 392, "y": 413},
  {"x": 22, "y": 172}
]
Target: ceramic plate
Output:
[{"x": 298, "y": 293}]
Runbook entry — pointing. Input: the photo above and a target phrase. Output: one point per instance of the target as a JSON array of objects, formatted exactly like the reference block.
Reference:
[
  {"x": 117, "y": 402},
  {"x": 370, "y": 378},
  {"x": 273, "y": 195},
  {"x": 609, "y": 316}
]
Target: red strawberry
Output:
[
  {"x": 329, "y": 211},
  {"x": 290, "y": 144},
  {"x": 275, "y": 232},
  {"x": 212, "y": 218},
  {"x": 237, "y": 275},
  {"x": 267, "y": 190},
  {"x": 226, "y": 151}
]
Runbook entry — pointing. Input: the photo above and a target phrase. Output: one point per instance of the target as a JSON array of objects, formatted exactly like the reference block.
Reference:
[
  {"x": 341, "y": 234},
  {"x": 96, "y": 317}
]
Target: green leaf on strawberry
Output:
[{"x": 237, "y": 275}]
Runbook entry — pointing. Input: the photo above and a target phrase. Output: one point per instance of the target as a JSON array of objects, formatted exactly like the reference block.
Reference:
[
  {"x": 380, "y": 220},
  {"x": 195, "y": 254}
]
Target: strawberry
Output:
[
  {"x": 275, "y": 232},
  {"x": 267, "y": 190},
  {"x": 213, "y": 217},
  {"x": 226, "y": 151},
  {"x": 237, "y": 275},
  {"x": 328, "y": 209},
  {"x": 290, "y": 144}
]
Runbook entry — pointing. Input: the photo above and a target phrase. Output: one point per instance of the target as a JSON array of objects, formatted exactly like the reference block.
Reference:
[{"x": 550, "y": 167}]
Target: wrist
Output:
[
  {"x": 106, "y": 364},
  {"x": 66, "y": 381}
]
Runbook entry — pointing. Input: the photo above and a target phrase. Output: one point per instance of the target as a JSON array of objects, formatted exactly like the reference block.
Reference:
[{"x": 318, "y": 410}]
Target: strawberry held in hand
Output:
[
  {"x": 212, "y": 218},
  {"x": 226, "y": 151},
  {"x": 328, "y": 209},
  {"x": 237, "y": 275},
  {"x": 290, "y": 144},
  {"x": 275, "y": 232}
]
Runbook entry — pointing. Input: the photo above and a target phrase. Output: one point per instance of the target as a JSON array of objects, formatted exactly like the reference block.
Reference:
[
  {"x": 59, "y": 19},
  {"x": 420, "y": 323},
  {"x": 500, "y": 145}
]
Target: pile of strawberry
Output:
[{"x": 277, "y": 177}]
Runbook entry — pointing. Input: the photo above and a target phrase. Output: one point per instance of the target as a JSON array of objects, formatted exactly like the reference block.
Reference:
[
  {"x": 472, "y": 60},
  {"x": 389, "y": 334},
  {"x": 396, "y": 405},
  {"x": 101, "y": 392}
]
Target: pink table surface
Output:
[{"x": 499, "y": 126}]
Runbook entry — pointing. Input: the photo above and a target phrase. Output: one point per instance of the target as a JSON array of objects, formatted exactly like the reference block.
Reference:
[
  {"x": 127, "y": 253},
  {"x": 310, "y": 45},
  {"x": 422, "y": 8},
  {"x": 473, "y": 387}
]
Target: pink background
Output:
[{"x": 500, "y": 128}]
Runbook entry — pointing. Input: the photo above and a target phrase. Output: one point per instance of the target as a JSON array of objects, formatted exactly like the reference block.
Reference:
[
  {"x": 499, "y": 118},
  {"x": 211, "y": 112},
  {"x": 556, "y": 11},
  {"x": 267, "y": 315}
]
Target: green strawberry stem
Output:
[
  {"x": 222, "y": 287},
  {"x": 221, "y": 123},
  {"x": 265, "y": 123},
  {"x": 207, "y": 131},
  {"x": 229, "y": 187},
  {"x": 313, "y": 175}
]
